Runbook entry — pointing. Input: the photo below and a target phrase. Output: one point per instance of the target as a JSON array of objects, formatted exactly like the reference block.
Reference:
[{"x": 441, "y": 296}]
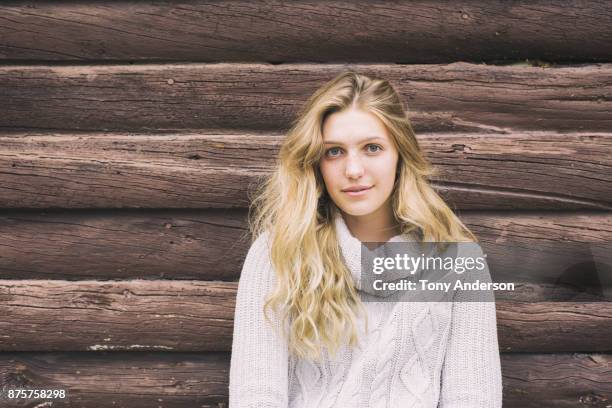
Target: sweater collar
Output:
[{"x": 351, "y": 247}]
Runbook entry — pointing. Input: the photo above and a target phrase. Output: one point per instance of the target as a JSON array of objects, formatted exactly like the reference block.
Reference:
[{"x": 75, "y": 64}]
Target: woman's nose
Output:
[{"x": 354, "y": 167}]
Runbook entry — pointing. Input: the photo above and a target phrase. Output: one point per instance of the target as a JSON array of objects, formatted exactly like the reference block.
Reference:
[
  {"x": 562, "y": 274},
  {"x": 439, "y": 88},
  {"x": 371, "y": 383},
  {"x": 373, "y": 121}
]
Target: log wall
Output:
[{"x": 133, "y": 133}]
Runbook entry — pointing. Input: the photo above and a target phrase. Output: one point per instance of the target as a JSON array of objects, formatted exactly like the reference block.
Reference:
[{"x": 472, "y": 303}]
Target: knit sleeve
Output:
[
  {"x": 471, "y": 373},
  {"x": 259, "y": 360}
]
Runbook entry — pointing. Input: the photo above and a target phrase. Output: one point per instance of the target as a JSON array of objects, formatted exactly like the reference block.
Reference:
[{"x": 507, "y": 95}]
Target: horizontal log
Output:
[
  {"x": 212, "y": 244},
  {"x": 198, "y": 316},
  {"x": 124, "y": 315},
  {"x": 525, "y": 170},
  {"x": 556, "y": 381},
  {"x": 173, "y": 380},
  {"x": 416, "y": 32},
  {"x": 555, "y": 248},
  {"x": 554, "y": 326},
  {"x": 191, "y": 244},
  {"x": 161, "y": 97},
  {"x": 118, "y": 379}
]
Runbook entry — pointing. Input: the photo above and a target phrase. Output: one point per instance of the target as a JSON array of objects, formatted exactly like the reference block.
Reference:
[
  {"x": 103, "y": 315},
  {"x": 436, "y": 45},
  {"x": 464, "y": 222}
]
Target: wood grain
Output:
[
  {"x": 556, "y": 380},
  {"x": 525, "y": 170},
  {"x": 198, "y": 316},
  {"x": 438, "y": 98},
  {"x": 176, "y": 380},
  {"x": 189, "y": 244},
  {"x": 550, "y": 327},
  {"x": 378, "y": 31},
  {"x": 212, "y": 244},
  {"x": 119, "y": 379}
]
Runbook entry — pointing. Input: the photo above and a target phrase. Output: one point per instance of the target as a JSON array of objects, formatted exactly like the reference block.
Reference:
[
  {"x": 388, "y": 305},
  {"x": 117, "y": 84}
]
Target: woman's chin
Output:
[{"x": 357, "y": 210}]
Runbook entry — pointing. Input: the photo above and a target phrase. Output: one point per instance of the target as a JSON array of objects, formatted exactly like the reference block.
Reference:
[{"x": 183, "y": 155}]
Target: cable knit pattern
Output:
[{"x": 416, "y": 354}]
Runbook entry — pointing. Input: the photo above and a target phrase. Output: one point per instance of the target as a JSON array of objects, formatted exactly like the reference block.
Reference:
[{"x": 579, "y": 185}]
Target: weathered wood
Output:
[
  {"x": 198, "y": 316},
  {"x": 124, "y": 315},
  {"x": 160, "y": 244},
  {"x": 212, "y": 244},
  {"x": 526, "y": 170},
  {"x": 118, "y": 379},
  {"x": 176, "y": 380},
  {"x": 378, "y": 31},
  {"x": 554, "y": 326},
  {"x": 557, "y": 381},
  {"x": 264, "y": 97},
  {"x": 554, "y": 292},
  {"x": 572, "y": 248}
]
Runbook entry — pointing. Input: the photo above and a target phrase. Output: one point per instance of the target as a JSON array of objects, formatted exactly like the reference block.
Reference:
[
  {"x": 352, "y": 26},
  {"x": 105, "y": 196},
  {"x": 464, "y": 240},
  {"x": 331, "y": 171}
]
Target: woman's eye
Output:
[
  {"x": 376, "y": 148},
  {"x": 334, "y": 151}
]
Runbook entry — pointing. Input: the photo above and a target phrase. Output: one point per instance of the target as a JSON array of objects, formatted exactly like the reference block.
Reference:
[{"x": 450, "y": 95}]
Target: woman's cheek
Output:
[{"x": 331, "y": 177}]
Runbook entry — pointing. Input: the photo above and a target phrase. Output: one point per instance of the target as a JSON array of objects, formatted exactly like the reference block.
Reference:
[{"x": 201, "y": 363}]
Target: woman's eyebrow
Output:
[{"x": 367, "y": 139}]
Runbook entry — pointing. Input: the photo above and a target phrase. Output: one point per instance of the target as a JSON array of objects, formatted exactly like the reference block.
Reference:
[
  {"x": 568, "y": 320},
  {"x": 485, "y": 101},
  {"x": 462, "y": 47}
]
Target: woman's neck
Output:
[{"x": 379, "y": 226}]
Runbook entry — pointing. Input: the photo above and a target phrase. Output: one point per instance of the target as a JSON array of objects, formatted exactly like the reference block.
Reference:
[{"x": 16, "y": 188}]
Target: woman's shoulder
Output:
[
  {"x": 261, "y": 242},
  {"x": 259, "y": 250},
  {"x": 470, "y": 248},
  {"x": 257, "y": 271}
]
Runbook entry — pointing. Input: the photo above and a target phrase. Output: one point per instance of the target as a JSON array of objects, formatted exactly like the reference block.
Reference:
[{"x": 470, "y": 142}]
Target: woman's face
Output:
[{"x": 358, "y": 153}]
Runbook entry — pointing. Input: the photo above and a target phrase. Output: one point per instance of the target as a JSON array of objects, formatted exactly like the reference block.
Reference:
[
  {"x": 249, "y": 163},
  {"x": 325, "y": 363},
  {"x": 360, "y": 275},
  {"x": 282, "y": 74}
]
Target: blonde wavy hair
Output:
[{"x": 315, "y": 293}]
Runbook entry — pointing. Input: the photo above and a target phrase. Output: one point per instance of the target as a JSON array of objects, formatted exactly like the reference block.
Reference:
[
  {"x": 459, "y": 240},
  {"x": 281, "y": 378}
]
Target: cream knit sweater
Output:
[{"x": 416, "y": 354}]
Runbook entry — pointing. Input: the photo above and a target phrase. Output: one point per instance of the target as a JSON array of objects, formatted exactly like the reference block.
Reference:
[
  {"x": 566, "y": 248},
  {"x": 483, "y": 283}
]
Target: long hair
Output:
[{"x": 315, "y": 293}]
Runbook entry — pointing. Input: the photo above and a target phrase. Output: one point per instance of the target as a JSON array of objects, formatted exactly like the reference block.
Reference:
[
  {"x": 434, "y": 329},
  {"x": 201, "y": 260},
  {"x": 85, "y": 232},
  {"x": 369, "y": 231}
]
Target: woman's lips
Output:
[{"x": 358, "y": 193}]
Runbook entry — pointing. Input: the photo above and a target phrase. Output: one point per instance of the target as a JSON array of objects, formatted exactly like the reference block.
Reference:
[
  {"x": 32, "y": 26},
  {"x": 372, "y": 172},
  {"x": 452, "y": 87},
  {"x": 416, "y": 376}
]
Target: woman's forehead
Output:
[{"x": 352, "y": 127}]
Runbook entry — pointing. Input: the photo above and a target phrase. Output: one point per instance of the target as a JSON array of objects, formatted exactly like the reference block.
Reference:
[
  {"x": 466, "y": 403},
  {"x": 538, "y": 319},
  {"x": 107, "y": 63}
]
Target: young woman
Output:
[{"x": 350, "y": 171}]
